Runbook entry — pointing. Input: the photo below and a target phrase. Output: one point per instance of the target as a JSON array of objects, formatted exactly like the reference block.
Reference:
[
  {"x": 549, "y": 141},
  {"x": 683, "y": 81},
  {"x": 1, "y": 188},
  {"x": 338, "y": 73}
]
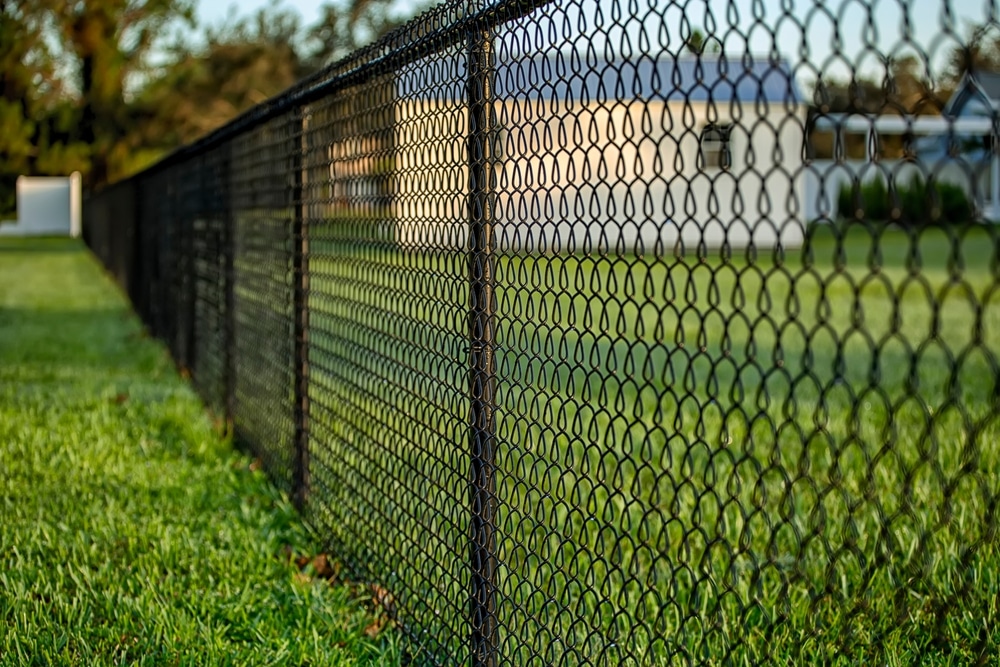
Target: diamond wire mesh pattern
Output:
[{"x": 586, "y": 341}]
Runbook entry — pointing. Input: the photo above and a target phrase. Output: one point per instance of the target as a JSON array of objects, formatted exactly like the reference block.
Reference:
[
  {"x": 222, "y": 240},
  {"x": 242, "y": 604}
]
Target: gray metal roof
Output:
[
  {"x": 990, "y": 84},
  {"x": 571, "y": 77},
  {"x": 982, "y": 85}
]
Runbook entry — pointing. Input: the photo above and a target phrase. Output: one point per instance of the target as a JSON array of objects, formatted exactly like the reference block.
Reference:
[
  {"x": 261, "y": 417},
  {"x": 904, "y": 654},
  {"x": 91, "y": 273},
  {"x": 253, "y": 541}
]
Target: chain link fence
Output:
[{"x": 594, "y": 332}]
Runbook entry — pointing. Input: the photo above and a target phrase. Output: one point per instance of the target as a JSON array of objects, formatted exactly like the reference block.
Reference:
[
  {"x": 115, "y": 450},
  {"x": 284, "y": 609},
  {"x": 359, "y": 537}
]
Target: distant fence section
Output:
[{"x": 598, "y": 333}]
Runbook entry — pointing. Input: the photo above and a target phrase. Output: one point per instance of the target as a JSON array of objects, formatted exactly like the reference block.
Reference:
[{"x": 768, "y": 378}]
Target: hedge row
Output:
[{"x": 913, "y": 203}]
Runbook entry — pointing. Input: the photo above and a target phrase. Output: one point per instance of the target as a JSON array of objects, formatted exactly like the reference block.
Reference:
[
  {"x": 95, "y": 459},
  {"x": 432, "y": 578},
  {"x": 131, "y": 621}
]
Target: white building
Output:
[
  {"x": 628, "y": 156},
  {"x": 956, "y": 147},
  {"x": 46, "y": 206}
]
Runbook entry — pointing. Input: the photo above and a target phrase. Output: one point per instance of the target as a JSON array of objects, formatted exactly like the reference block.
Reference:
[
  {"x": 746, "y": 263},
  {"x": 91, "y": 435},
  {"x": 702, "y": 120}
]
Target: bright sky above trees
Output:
[{"x": 882, "y": 28}]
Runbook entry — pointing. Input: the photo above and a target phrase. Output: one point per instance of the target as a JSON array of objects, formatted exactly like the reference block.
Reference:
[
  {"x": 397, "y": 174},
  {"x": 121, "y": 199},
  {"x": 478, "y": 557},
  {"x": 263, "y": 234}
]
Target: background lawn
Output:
[
  {"x": 772, "y": 458},
  {"x": 130, "y": 532}
]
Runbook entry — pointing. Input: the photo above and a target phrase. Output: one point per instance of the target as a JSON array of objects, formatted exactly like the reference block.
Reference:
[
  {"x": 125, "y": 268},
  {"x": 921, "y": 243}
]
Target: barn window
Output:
[{"x": 715, "y": 149}]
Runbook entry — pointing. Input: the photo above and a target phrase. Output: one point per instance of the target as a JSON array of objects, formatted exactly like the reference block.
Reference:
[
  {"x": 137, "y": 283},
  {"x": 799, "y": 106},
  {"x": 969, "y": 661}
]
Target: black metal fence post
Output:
[
  {"x": 300, "y": 291},
  {"x": 229, "y": 290},
  {"x": 482, "y": 364}
]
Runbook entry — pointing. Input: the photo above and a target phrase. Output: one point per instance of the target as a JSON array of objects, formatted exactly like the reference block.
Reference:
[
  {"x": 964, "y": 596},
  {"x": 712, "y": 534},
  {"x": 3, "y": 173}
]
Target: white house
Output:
[
  {"x": 625, "y": 155},
  {"x": 956, "y": 147}
]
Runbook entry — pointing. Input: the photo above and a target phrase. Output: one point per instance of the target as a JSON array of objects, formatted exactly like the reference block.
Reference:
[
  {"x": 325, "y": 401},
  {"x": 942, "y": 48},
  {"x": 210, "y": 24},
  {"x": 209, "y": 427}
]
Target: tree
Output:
[
  {"x": 110, "y": 40},
  {"x": 346, "y": 26},
  {"x": 698, "y": 43},
  {"x": 241, "y": 65},
  {"x": 910, "y": 88},
  {"x": 905, "y": 87},
  {"x": 18, "y": 42},
  {"x": 78, "y": 90},
  {"x": 981, "y": 51},
  {"x": 36, "y": 112}
]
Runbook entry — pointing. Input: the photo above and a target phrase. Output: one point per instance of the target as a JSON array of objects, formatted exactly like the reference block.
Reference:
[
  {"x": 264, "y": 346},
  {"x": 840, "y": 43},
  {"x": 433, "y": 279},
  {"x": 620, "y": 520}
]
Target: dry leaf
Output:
[
  {"x": 383, "y": 599},
  {"x": 376, "y": 627},
  {"x": 323, "y": 568}
]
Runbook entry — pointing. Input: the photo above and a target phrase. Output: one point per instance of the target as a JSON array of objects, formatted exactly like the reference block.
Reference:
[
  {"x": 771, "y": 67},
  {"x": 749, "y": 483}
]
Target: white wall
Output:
[
  {"x": 47, "y": 206},
  {"x": 617, "y": 175}
]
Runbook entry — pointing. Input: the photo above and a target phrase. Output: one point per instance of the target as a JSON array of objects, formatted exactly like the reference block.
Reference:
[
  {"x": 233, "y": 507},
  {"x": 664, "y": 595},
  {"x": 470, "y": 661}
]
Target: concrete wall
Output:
[
  {"x": 616, "y": 175},
  {"x": 47, "y": 206}
]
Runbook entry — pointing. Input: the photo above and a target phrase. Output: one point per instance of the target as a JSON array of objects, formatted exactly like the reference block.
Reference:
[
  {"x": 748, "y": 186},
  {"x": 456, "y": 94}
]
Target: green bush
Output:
[
  {"x": 913, "y": 200},
  {"x": 955, "y": 205},
  {"x": 915, "y": 203}
]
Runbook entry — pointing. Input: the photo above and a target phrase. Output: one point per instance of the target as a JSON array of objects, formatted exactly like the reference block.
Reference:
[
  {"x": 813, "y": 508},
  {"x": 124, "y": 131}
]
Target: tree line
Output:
[
  {"x": 910, "y": 83},
  {"x": 107, "y": 87}
]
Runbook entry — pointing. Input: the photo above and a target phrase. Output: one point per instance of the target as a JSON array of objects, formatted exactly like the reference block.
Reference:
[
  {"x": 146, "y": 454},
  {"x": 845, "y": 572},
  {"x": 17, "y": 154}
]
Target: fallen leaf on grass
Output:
[
  {"x": 382, "y": 597},
  {"x": 384, "y": 602},
  {"x": 323, "y": 568},
  {"x": 375, "y": 628}
]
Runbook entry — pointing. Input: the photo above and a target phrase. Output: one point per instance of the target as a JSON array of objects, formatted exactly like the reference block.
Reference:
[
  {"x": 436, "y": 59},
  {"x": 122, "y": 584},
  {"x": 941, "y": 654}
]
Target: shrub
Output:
[
  {"x": 846, "y": 202},
  {"x": 914, "y": 203},
  {"x": 954, "y": 204}
]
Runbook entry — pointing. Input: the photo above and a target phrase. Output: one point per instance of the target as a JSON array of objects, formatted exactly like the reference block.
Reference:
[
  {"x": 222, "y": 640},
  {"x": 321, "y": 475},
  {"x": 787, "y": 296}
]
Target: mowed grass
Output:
[
  {"x": 131, "y": 533},
  {"x": 787, "y": 459}
]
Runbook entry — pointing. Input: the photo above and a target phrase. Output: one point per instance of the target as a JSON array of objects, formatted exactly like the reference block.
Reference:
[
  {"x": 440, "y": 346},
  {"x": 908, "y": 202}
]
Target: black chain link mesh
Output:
[{"x": 585, "y": 342}]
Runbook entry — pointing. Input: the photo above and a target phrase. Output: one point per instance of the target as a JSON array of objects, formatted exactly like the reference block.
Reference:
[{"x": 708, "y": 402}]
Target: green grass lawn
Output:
[
  {"x": 788, "y": 459},
  {"x": 131, "y": 533}
]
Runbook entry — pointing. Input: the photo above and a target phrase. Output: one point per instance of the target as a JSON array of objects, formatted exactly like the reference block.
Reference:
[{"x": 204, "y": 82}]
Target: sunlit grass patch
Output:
[{"x": 131, "y": 532}]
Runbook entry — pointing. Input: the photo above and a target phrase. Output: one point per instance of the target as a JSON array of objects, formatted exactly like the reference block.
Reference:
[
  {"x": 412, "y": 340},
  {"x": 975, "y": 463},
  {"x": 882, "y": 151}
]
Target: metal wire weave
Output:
[{"x": 578, "y": 343}]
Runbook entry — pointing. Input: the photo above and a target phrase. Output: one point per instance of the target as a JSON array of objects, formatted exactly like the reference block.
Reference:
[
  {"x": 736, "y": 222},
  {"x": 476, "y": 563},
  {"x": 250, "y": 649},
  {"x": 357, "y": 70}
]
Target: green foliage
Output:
[
  {"x": 132, "y": 533},
  {"x": 78, "y": 91},
  {"x": 916, "y": 203},
  {"x": 953, "y": 204}
]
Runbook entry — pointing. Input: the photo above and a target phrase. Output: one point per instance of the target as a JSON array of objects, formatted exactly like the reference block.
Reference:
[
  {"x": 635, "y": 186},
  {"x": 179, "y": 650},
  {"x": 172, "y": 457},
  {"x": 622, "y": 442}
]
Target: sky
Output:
[
  {"x": 803, "y": 31},
  {"x": 215, "y": 11}
]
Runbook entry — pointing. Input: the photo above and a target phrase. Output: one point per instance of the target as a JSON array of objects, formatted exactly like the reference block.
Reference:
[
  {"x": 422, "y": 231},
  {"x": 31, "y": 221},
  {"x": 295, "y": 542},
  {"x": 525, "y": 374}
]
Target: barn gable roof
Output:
[
  {"x": 982, "y": 85},
  {"x": 572, "y": 77}
]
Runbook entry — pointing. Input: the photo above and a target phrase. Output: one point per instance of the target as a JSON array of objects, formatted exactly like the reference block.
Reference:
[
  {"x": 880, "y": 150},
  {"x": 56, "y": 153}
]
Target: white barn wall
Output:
[
  {"x": 431, "y": 174},
  {"x": 625, "y": 176},
  {"x": 618, "y": 175}
]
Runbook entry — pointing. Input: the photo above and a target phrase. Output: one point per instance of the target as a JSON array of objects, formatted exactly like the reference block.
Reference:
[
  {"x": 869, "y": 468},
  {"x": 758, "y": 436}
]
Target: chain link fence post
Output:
[
  {"x": 229, "y": 291},
  {"x": 300, "y": 299},
  {"x": 482, "y": 364}
]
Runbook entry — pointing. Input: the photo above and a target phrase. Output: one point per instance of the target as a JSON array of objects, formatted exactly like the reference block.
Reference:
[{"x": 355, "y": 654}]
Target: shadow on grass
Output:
[{"x": 42, "y": 244}]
